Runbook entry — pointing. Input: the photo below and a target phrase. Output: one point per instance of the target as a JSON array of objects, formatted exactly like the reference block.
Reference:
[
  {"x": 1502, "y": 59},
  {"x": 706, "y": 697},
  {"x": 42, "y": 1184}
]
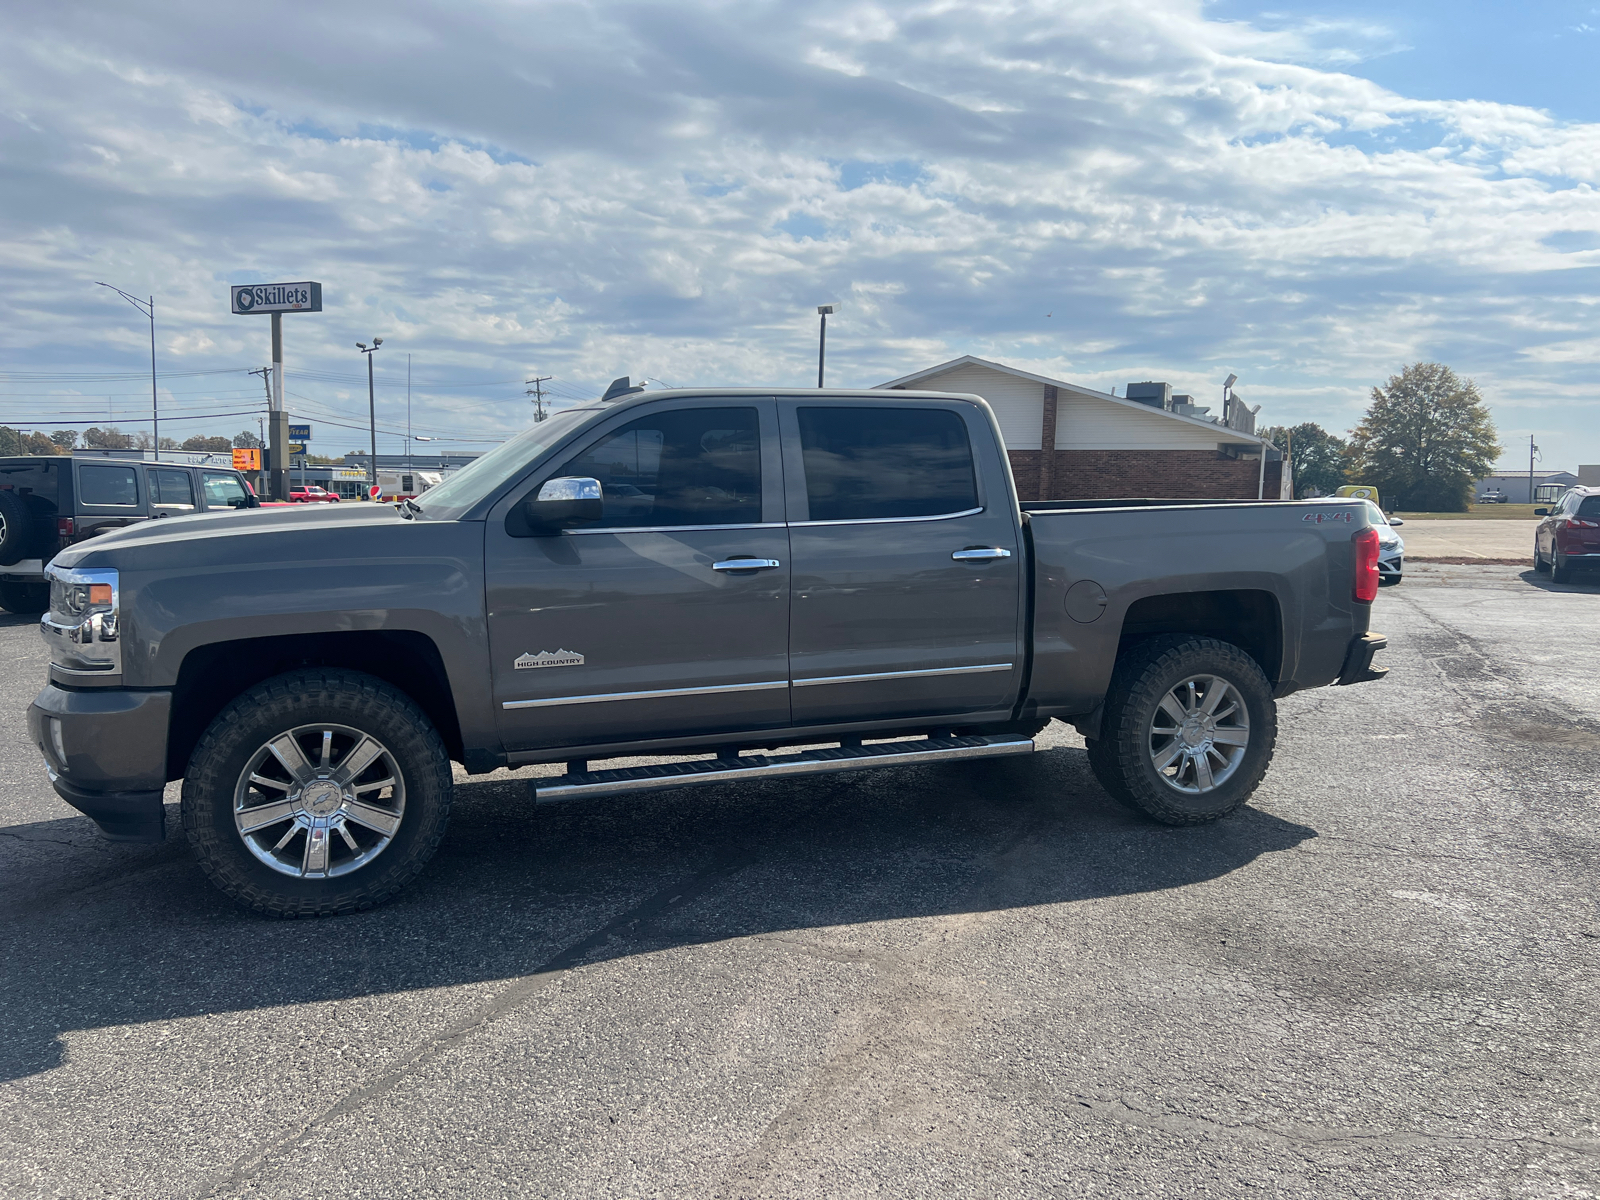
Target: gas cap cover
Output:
[{"x": 1086, "y": 600}]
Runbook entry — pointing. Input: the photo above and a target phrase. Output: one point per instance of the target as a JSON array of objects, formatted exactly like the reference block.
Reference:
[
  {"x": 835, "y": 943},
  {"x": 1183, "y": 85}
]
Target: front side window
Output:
[
  {"x": 223, "y": 491},
  {"x": 870, "y": 463},
  {"x": 108, "y": 485},
  {"x": 686, "y": 466},
  {"x": 171, "y": 487}
]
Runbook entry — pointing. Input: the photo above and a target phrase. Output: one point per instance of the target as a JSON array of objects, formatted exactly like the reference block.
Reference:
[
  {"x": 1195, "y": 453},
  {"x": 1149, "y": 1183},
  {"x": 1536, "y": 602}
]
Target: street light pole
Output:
[
  {"x": 822, "y": 339},
  {"x": 148, "y": 309},
  {"x": 372, "y": 410}
]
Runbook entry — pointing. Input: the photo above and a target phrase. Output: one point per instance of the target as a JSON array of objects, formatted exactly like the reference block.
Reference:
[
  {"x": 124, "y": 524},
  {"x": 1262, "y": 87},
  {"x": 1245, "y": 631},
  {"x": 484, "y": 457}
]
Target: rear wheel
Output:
[
  {"x": 1559, "y": 571},
  {"x": 26, "y": 598},
  {"x": 1189, "y": 728},
  {"x": 317, "y": 792}
]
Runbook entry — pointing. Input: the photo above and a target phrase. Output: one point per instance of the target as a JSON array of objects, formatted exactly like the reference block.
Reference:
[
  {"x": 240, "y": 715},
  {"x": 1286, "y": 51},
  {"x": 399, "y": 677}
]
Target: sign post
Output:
[{"x": 275, "y": 299}]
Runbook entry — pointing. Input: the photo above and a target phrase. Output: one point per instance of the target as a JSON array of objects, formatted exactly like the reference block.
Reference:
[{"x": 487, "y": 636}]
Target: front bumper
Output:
[
  {"x": 106, "y": 751},
  {"x": 1358, "y": 666}
]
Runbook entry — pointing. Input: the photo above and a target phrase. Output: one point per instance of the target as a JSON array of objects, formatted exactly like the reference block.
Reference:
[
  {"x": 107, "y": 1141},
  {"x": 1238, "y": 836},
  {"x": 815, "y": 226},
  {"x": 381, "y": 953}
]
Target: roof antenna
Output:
[{"x": 619, "y": 388}]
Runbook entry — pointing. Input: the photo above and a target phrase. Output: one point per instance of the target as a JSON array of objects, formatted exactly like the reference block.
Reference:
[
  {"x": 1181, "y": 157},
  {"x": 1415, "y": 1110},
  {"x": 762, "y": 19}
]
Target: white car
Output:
[{"x": 1391, "y": 546}]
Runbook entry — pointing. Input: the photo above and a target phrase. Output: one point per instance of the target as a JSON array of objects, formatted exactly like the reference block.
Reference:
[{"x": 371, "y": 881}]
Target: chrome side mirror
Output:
[
  {"x": 1397, "y": 520},
  {"x": 561, "y": 502}
]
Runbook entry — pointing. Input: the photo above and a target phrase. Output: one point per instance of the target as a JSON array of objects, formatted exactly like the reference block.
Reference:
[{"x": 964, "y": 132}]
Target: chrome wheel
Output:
[
  {"x": 1198, "y": 734},
  {"x": 319, "y": 801}
]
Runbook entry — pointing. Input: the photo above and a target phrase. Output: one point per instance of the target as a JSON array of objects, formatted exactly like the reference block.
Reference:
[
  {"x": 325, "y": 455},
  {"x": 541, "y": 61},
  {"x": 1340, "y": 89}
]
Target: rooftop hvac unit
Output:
[{"x": 1156, "y": 395}]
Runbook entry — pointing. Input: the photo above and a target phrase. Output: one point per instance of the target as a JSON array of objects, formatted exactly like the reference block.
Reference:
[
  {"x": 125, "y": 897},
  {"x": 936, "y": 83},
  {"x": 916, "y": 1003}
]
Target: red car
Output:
[
  {"x": 312, "y": 495},
  {"x": 1569, "y": 535}
]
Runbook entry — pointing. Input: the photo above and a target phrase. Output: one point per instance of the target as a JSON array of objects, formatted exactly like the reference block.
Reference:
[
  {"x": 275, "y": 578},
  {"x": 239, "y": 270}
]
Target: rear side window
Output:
[
  {"x": 170, "y": 487},
  {"x": 866, "y": 463},
  {"x": 223, "y": 490},
  {"x": 1589, "y": 510},
  {"x": 685, "y": 466},
  {"x": 108, "y": 485},
  {"x": 34, "y": 482}
]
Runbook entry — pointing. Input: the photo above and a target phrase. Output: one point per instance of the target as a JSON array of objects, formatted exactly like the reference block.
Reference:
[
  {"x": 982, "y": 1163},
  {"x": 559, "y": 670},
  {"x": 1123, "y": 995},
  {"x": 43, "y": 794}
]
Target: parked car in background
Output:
[
  {"x": 50, "y": 502},
  {"x": 312, "y": 495},
  {"x": 1492, "y": 496},
  {"x": 1568, "y": 537},
  {"x": 1391, "y": 546}
]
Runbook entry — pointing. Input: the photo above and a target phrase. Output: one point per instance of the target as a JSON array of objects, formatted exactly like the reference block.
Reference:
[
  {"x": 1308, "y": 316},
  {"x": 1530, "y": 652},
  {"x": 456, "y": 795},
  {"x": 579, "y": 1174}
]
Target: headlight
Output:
[{"x": 83, "y": 626}]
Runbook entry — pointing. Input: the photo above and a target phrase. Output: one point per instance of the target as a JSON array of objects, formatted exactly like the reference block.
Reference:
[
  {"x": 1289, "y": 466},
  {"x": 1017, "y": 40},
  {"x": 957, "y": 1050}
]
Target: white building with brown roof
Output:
[{"x": 1103, "y": 445}]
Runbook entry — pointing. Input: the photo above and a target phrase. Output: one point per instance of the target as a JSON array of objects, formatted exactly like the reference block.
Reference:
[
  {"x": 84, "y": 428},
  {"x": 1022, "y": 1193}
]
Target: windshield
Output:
[
  {"x": 457, "y": 494},
  {"x": 1376, "y": 514}
]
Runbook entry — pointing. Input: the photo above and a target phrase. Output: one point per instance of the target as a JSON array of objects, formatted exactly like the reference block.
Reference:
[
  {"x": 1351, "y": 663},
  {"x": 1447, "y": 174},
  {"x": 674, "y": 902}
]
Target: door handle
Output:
[
  {"x": 980, "y": 553},
  {"x": 746, "y": 564}
]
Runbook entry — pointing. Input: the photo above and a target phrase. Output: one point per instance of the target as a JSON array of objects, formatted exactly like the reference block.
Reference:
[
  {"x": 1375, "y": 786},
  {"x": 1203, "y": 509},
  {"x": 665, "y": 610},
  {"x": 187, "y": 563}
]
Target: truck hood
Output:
[{"x": 190, "y": 534}]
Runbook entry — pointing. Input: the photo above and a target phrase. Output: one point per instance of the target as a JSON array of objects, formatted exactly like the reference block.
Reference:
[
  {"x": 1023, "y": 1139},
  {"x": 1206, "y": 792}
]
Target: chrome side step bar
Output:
[{"x": 760, "y": 766}]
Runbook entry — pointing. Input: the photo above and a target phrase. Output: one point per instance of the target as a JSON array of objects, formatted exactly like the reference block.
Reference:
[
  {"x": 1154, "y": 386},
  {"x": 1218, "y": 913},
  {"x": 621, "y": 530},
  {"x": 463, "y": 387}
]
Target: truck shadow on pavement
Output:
[{"x": 100, "y": 935}]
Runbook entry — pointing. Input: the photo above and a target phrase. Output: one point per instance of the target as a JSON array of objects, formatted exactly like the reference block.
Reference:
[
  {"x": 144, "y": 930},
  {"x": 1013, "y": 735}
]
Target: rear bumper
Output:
[
  {"x": 1358, "y": 666},
  {"x": 106, "y": 751}
]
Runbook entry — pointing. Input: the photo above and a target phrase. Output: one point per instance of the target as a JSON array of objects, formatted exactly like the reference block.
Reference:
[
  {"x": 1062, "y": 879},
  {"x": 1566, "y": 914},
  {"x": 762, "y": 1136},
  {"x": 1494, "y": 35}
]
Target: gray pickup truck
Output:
[{"x": 755, "y": 584}]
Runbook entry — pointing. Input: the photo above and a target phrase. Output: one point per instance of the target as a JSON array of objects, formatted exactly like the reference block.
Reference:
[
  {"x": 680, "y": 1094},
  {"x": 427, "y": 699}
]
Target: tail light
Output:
[
  {"x": 65, "y": 527},
  {"x": 1583, "y": 524},
  {"x": 1365, "y": 543}
]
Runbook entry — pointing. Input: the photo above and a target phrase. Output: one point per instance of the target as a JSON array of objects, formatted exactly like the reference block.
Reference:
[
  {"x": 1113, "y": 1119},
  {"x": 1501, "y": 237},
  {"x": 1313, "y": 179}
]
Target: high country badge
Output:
[{"x": 561, "y": 658}]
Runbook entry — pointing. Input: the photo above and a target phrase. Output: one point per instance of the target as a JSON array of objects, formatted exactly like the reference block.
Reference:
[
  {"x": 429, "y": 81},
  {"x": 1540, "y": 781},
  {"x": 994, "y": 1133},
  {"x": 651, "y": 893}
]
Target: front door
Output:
[
  {"x": 645, "y": 624},
  {"x": 907, "y": 562}
]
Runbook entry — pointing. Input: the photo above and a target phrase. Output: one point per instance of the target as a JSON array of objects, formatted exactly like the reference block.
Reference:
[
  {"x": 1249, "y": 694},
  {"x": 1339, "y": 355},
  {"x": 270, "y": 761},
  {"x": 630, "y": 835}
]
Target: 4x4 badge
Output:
[
  {"x": 561, "y": 658},
  {"x": 1343, "y": 514}
]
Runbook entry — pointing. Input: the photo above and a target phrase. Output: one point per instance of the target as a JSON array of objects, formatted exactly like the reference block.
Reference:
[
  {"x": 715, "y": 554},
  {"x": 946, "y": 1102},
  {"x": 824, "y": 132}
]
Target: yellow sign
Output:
[
  {"x": 247, "y": 460},
  {"x": 1359, "y": 491}
]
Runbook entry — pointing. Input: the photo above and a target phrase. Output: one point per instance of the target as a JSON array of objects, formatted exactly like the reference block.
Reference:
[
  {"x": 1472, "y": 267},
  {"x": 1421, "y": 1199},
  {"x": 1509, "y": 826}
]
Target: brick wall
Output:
[{"x": 1098, "y": 474}]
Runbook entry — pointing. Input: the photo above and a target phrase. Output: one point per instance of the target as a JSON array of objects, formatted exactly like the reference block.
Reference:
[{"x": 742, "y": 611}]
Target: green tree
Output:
[
  {"x": 110, "y": 438},
  {"x": 1318, "y": 457},
  {"x": 65, "y": 438},
  {"x": 214, "y": 444},
  {"x": 246, "y": 440},
  {"x": 1426, "y": 437},
  {"x": 14, "y": 441}
]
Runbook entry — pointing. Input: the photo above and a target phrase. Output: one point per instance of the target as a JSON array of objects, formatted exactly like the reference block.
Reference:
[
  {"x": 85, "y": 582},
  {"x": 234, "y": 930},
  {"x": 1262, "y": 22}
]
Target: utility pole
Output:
[
  {"x": 537, "y": 392},
  {"x": 1532, "y": 450},
  {"x": 408, "y": 411},
  {"x": 822, "y": 339}
]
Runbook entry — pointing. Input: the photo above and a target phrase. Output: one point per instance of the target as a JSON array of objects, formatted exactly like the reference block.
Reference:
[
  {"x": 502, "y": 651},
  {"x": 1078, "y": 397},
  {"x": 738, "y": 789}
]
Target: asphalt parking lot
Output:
[{"x": 973, "y": 980}]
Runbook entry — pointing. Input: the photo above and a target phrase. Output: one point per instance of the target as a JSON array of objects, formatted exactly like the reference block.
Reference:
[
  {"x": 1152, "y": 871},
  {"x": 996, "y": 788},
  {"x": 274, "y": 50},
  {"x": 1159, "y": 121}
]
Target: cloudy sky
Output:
[{"x": 1140, "y": 189}]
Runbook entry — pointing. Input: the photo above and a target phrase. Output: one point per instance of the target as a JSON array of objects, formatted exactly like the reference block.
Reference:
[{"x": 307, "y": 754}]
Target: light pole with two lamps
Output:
[{"x": 372, "y": 413}]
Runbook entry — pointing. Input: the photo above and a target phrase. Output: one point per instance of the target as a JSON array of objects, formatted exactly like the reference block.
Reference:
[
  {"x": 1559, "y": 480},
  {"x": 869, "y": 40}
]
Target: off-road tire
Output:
[
  {"x": 308, "y": 696},
  {"x": 24, "y": 598},
  {"x": 1120, "y": 757}
]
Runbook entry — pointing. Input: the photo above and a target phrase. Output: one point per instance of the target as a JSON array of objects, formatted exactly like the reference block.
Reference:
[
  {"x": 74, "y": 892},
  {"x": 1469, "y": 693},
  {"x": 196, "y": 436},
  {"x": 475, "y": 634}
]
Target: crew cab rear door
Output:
[
  {"x": 645, "y": 624},
  {"x": 907, "y": 561}
]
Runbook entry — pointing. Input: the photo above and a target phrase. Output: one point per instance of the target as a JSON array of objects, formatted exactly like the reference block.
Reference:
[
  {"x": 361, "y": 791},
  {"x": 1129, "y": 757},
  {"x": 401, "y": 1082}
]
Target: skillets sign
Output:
[{"x": 277, "y": 298}]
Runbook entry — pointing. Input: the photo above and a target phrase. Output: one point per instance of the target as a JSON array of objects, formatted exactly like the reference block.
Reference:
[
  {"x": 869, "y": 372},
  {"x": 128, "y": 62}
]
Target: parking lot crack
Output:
[{"x": 507, "y": 1000}]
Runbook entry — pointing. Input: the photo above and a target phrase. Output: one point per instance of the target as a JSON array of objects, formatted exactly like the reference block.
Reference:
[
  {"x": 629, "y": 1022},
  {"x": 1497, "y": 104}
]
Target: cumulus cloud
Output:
[{"x": 668, "y": 190}]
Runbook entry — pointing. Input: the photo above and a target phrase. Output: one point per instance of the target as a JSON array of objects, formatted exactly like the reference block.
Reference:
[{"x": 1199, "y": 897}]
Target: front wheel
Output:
[
  {"x": 1539, "y": 563},
  {"x": 1188, "y": 731},
  {"x": 317, "y": 792}
]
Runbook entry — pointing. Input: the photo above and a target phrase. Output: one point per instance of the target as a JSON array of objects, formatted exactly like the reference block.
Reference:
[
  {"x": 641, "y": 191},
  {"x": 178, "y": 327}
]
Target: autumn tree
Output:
[
  {"x": 213, "y": 444},
  {"x": 1424, "y": 441},
  {"x": 1316, "y": 454}
]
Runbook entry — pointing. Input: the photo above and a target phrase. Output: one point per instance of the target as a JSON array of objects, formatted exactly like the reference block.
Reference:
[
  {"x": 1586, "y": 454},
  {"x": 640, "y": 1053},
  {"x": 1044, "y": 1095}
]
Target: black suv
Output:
[{"x": 48, "y": 503}]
